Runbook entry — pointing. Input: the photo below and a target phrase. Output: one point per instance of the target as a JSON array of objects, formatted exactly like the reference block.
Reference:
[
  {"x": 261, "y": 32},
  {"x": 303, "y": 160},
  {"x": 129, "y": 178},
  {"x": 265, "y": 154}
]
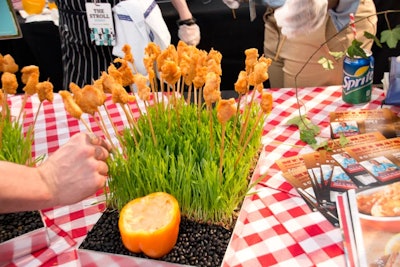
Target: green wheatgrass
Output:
[
  {"x": 14, "y": 145},
  {"x": 184, "y": 163}
]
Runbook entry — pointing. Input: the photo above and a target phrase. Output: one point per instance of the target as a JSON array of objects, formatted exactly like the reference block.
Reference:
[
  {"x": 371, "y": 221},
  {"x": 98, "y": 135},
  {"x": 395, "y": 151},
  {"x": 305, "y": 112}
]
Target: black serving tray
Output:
[{"x": 198, "y": 244}]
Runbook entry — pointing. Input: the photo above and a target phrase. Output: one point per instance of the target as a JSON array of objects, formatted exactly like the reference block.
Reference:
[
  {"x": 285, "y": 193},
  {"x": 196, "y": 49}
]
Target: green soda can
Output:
[{"x": 358, "y": 75}]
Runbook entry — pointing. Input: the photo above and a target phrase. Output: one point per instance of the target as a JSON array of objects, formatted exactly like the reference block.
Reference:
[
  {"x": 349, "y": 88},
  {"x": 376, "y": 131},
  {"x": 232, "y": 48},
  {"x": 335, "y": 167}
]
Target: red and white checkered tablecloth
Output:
[{"x": 275, "y": 227}]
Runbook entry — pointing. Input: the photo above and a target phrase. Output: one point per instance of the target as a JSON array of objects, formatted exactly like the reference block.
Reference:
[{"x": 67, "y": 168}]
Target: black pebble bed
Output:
[
  {"x": 15, "y": 224},
  {"x": 197, "y": 245}
]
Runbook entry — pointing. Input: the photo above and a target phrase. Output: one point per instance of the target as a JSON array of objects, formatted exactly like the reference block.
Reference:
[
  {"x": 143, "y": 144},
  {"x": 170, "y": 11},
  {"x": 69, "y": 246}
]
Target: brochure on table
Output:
[
  {"x": 363, "y": 195},
  {"x": 353, "y": 122},
  {"x": 374, "y": 211},
  {"x": 319, "y": 176},
  {"x": 371, "y": 232},
  {"x": 355, "y": 184}
]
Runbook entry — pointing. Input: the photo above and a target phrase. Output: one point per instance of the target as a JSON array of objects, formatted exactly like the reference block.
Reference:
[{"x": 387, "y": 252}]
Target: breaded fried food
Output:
[
  {"x": 7, "y": 64},
  {"x": 113, "y": 71},
  {"x": 27, "y": 71},
  {"x": 126, "y": 72},
  {"x": 30, "y": 86},
  {"x": 142, "y": 86},
  {"x": 266, "y": 102},
  {"x": 170, "y": 72},
  {"x": 214, "y": 59},
  {"x": 9, "y": 82},
  {"x": 151, "y": 52},
  {"x": 241, "y": 84},
  {"x": 188, "y": 57},
  {"x": 45, "y": 91},
  {"x": 211, "y": 92},
  {"x": 128, "y": 53},
  {"x": 226, "y": 108},
  {"x": 70, "y": 106},
  {"x": 168, "y": 54},
  {"x": 121, "y": 96},
  {"x": 251, "y": 59},
  {"x": 201, "y": 69},
  {"x": 259, "y": 74}
]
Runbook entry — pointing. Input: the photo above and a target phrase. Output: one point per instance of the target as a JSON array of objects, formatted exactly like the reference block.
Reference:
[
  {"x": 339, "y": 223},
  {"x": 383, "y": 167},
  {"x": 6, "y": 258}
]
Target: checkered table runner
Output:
[{"x": 275, "y": 227}]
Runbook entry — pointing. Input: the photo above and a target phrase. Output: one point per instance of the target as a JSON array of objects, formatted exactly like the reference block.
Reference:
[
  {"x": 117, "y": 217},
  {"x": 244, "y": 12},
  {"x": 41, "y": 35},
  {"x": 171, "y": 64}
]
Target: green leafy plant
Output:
[
  {"x": 308, "y": 131},
  {"x": 390, "y": 36}
]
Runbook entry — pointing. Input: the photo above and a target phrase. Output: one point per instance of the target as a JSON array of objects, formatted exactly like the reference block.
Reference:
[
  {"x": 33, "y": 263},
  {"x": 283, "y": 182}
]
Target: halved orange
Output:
[{"x": 150, "y": 224}]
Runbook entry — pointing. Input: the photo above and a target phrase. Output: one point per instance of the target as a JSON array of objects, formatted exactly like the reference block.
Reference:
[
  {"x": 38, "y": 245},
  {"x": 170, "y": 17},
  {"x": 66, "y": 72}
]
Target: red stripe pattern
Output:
[{"x": 275, "y": 226}]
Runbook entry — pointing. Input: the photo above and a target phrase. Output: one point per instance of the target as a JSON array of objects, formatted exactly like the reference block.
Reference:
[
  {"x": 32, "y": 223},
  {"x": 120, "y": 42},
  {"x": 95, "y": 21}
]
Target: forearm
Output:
[
  {"x": 22, "y": 189},
  {"x": 182, "y": 9}
]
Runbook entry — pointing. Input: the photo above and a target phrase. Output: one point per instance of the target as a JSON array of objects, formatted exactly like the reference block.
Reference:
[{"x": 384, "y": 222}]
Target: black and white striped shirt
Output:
[{"x": 82, "y": 60}]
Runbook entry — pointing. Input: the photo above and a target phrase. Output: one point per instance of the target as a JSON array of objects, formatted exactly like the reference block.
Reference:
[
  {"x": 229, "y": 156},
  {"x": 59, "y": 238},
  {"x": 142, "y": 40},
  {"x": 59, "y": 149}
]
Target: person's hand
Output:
[
  {"x": 232, "y": 4},
  {"x": 77, "y": 169},
  {"x": 190, "y": 34},
  {"x": 298, "y": 17}
]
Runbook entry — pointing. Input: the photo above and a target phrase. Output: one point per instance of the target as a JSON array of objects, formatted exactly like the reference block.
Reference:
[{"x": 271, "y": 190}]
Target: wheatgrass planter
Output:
[
  {"x": 200, "y": 242},
  {"x": 197, "y": 147}
]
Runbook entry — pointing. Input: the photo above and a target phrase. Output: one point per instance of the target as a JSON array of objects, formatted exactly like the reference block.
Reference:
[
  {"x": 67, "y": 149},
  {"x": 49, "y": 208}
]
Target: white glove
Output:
[
  {"x": 298, "y": 17},
  {"x": 190, "y": 34},
  {"x": 232, "y": 4}
]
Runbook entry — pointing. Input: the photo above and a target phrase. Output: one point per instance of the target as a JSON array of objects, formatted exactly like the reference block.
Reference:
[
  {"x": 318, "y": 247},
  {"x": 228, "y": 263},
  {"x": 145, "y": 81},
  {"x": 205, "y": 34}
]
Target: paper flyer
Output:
[{"x": 354, "y": 122}]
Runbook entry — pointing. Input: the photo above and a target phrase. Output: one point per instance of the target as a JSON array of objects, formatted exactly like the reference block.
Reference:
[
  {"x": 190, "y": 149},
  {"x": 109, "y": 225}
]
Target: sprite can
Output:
[{"x": 358, "y": 75}]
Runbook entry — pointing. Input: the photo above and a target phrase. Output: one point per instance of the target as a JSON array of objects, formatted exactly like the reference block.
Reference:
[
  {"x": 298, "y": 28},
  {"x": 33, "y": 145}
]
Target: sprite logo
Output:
[{"x": 363, "y": 76}]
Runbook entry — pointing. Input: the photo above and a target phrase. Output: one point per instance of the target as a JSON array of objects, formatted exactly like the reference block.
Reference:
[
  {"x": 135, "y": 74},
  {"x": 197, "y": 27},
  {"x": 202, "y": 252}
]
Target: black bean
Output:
[
  {"x": 199, "y": 244},
  {"x": 16, "y": 224}
]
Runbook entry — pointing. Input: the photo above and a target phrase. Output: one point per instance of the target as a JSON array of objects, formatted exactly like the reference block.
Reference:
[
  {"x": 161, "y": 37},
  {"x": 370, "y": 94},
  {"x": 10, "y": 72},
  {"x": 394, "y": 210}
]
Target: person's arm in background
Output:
[
  {"x": 72, "y": 173},
  {"x": 189, "y": 31},
  {"x": 182, "y": 9}
]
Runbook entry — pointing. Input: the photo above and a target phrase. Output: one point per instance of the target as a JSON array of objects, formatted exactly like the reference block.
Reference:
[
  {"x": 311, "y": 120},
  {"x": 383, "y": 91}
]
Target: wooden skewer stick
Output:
[
  {"x": 260, "y": 116},
  {"x": 233, "y": 13},
  {"x": 110, "y": 120},
  {"x": 86, "y": 125},
  {"x": 22, "y": 106},
  {"x": 150, "y": 123},
  {"x": 221, "y": 156},
  {"x": 103, "y": 127},
  {"x": 235, "y": 121},
  {"x": 37, "y": 113}
]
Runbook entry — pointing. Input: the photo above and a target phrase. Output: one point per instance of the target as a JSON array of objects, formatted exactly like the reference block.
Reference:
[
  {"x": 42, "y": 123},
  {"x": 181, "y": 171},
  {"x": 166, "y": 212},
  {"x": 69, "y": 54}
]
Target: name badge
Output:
[{"x": 101, "y": 23}]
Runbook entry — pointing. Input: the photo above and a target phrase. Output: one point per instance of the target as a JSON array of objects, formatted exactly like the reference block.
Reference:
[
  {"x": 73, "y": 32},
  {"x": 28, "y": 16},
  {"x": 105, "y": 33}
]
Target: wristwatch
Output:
[{"x": 188, "y": 22}]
